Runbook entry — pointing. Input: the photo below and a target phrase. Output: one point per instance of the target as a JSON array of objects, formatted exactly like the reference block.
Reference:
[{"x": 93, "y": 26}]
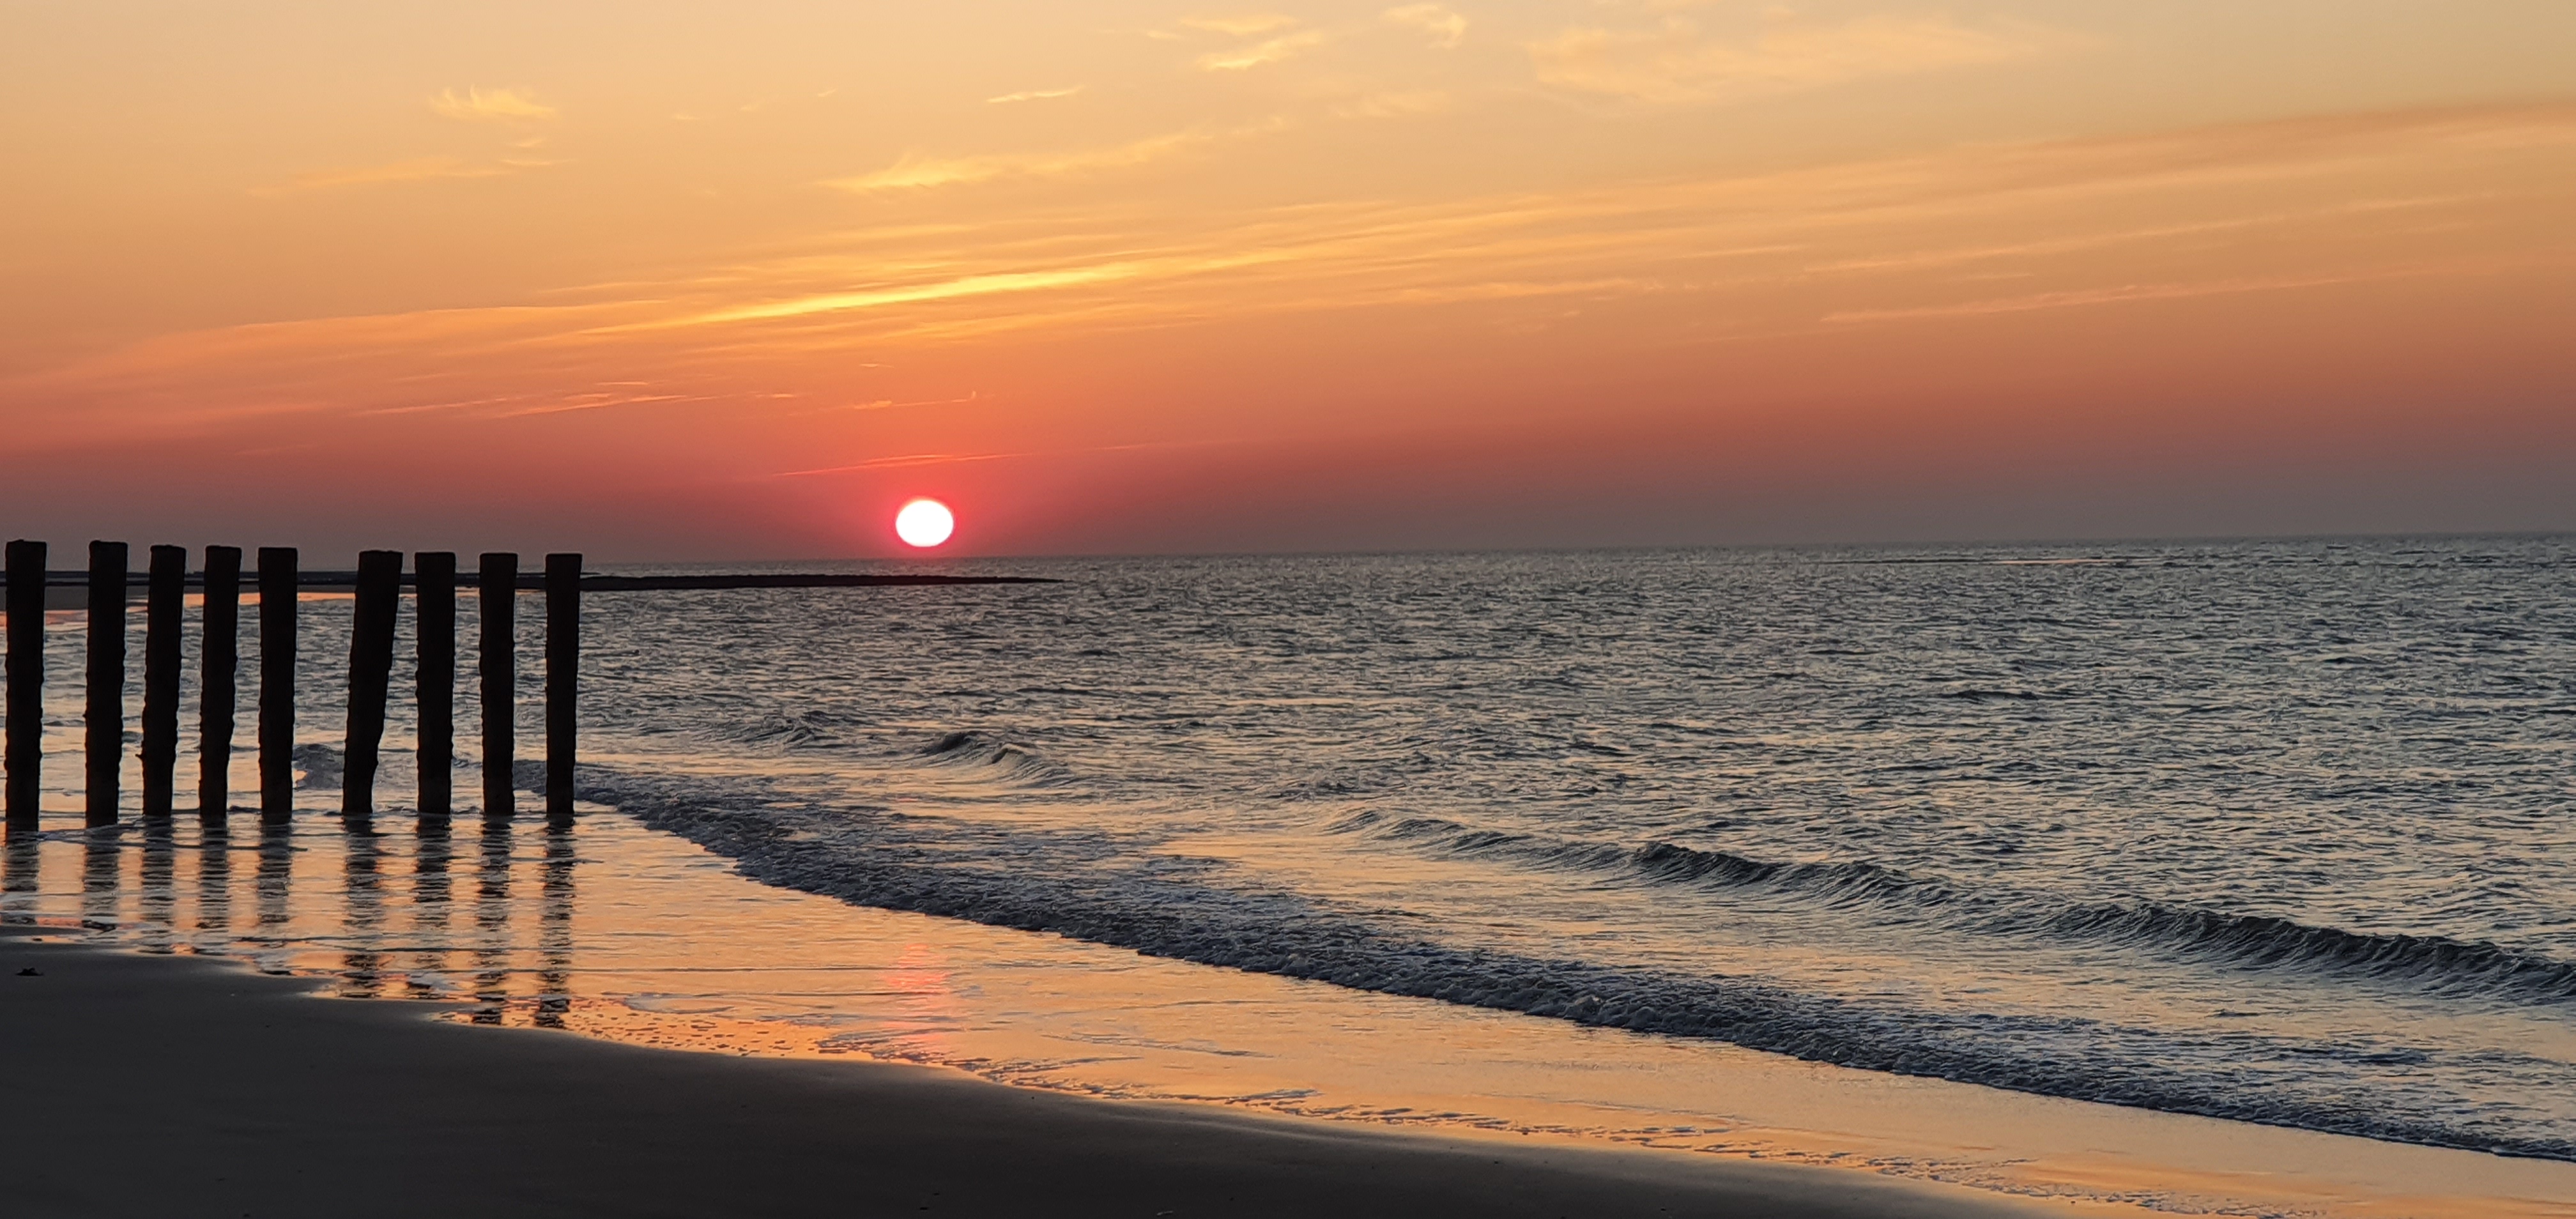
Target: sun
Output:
[{"x": 924, "y": 523}]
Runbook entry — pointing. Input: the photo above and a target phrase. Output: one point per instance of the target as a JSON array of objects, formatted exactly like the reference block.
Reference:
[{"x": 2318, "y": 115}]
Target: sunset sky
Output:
[{"x": 665, "y": 281}]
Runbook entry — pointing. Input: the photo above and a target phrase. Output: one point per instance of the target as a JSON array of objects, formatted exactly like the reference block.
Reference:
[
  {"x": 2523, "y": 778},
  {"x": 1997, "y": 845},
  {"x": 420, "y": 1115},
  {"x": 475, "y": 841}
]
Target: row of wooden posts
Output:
[{"x": 378, "y": 582}]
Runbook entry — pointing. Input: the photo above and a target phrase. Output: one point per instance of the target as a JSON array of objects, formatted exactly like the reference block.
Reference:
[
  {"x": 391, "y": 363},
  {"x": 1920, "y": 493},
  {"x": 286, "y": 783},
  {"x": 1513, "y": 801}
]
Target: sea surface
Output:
[{"x": 2274, "y": 831}]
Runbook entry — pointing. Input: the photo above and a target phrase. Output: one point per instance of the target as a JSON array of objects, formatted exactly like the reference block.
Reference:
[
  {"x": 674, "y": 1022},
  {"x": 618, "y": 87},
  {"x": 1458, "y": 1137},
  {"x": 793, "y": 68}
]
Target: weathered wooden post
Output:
[
  {"x": 498, "y": 590},
  {"x": 276, "y": 683},
  {"x": 26, "y": 753},
  {"x": 371, "y": 667},
  {"x": 164, "y": 602},
  {"x": 563, "y": 679},
  {"x": 219, "y": 662},
  {"x": 434, "y": 630},
  {"x": 103, "y": 718}
]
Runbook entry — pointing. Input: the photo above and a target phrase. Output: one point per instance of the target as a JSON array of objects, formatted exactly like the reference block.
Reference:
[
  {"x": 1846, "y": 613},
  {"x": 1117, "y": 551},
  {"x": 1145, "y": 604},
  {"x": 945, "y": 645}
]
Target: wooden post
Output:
[
  {"x": 26, "y": 754},
  {"x": 219, "y": 662},
  {"x": 163, "y": 605},
  {"x": 563, "y": 679},
  {"x": 371, "y": 667},
  {"x": 434, "y": 629},
  {"x": 276, "y": 683},
  {"x": 498, "y": 590},
  {"x": 103, "y": 718}
]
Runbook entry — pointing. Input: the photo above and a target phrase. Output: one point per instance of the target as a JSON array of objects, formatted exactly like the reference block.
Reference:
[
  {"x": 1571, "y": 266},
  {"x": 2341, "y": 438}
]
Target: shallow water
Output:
[
  {"x": 2271, "y": 831},
  {"x": 606, "y": 928}
]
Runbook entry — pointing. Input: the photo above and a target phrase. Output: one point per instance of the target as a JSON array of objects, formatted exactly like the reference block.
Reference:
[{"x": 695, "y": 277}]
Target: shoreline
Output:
[
  {"x": 143, "y": 1086},
  {"x": 637, "y": 939}
]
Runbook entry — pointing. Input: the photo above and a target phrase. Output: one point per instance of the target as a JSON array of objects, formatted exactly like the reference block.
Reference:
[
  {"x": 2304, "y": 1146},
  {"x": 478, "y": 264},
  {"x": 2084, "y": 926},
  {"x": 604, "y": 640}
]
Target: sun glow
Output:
[{"x": 924, "y": 523}]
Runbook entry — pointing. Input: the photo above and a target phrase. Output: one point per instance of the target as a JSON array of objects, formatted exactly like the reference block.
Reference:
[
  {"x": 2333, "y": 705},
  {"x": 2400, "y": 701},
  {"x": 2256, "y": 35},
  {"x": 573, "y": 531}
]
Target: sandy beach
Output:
[
  {"x": 165, "y": 1086},
  {"x": 611, "y": 1003}
]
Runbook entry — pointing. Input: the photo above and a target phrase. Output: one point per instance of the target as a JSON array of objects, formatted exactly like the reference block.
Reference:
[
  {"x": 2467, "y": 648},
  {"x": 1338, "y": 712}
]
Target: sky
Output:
[{"x": 668, "y": 281}]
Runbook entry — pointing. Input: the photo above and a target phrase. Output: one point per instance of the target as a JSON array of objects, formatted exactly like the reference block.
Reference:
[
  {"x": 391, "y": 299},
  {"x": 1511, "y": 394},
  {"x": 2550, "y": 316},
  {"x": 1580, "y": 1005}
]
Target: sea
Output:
[{"x": 2275, "y": 831}]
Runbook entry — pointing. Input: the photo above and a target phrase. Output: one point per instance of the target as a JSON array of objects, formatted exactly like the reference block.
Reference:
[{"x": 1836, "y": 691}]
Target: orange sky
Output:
[{"x": 689, "y": 281}]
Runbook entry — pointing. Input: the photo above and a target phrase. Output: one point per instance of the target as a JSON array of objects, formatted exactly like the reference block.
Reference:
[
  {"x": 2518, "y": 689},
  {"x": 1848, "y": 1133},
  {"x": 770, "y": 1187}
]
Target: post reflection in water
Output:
[
  {"x": 18, "y": 863},
  {"x": 102, "y": 857},
  {"x": 429, "y": 909},
  {"x": 362, "y": 965},
  {"x": 214, "y": 880},
  {"x": 554, "y": 929},
  {"x": 159, "y": 908},
  {"x": 492, "y": 924},
  {"x": 276, "y": 868}
]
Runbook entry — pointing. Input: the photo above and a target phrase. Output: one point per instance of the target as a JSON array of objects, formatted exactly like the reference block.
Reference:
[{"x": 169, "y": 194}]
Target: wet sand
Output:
[
  {"x": 142, "y": 1085},
  {"x": 620, "y": 934}
]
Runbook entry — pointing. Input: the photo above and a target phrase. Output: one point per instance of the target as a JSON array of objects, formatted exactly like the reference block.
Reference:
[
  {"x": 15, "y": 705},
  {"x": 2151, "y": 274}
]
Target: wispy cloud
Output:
[
  {"x": 1447, "y": 29},
  {"x": 972, "y": 285},
  {"x": 496, "y": 106},
  {"x": 1830, "y": 246},
  {"x": 902, "y": 461},
  {"x": 1677, "y": 62},
  {"x": 1245, "y": 26},
  {"x": 1394, "y": 105},
  {"x": 913, "y": 172},
  {"x": 908, "y": 460},
  {"x": 1033, "y": 95},
  {"x": 2118, "y": 294},
  {"x": 1803, "y": 242},
  {"x": 417, "y": 169},
  {"x": 1267, "y": 51}
]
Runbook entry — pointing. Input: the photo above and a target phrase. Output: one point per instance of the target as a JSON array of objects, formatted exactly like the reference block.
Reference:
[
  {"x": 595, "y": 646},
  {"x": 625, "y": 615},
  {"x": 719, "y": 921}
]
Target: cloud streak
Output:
[
  {"x": 1267, "y": 51},
  {"x": 915, "y": 172},
  {"x": 1675, "y": 62},
  {"x": 2115, "y": 295},
  {"x": 1245, "y": 26},
  {"x": 1032, "y": 95},
  {"x": 416, "y": 169},
  {"x": 497, "y": 106},
  {"x": 2309, "y": 204},
  {"x": 1446, "y": 28}
]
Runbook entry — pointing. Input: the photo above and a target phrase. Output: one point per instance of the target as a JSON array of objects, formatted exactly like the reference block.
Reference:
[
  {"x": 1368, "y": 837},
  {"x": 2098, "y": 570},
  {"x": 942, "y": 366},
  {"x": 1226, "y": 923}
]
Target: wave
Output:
[
  {"x": 993, "y": 760},
  {"x": 2247, "y": 941},
  {"x": 875, "y": 858},
  {"x": 789, "y": 730}
]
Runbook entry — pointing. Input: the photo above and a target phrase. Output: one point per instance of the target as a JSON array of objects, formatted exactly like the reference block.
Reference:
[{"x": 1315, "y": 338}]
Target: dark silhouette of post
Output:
[
  {"x": 434, "y": 630},
  {"x": 498, "y": 590},
  {"x": 103, "y": 718},
  {"x": 219, "y": 661},
  {"x": 563, "y": 679},
  {"x": 26, "y": 750},
  {"x": 276, "y": 683},
  {"x": 371, "y": 669},
  {"x": 165, "y": 601}
]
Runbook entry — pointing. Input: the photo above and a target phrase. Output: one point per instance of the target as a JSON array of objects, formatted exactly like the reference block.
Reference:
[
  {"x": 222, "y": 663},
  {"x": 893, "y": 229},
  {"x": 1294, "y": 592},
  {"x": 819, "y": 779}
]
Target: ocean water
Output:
[{"x": 2274, "y": 831}]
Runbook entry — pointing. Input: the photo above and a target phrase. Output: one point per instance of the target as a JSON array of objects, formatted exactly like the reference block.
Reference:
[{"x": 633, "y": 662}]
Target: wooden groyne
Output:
[{"x": 378, "y": 583}]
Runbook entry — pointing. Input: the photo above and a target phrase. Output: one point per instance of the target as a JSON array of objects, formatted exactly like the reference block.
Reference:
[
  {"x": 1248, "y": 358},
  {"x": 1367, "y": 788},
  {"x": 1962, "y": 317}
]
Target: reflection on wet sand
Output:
[
  {"x": 160, "y": 902},
  {"x": 214, "y": 881},
  {"x": 429, "y": 906},
  {"x": 102, "y": 856},
  {"x": 492, "y": 923},
  {"x": 380, "y": 916},
  {"x": 611, "y": 930},
  {"x": 362, "y": 966},
  {"x": 276, "y": 868},
  {"x": 554, "y": 929}
]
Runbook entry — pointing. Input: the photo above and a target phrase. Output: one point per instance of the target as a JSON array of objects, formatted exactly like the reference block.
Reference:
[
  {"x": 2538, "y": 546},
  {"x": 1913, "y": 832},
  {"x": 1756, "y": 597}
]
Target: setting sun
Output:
[{"x": 924, "y": 523}]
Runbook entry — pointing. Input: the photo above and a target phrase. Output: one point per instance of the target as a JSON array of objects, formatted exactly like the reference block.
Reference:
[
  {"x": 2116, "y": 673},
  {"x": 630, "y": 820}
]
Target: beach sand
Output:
[
  {"x": 614, "y": 1005},
  {"x": 142, "y": 1085}
]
